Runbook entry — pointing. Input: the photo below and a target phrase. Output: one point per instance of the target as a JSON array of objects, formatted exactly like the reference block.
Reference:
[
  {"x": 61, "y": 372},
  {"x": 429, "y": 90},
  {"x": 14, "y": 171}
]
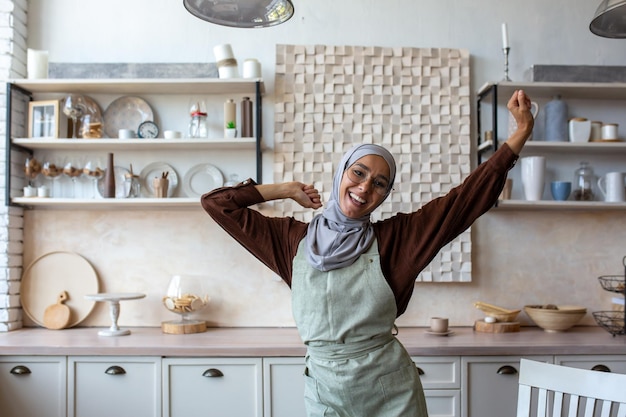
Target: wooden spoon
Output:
[{"x": 57, "y": 316}]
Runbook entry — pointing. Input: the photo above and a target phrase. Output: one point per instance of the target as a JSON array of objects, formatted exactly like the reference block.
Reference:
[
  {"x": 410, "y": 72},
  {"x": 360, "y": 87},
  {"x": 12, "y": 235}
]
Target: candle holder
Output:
[{"x": 506, "y": 63}]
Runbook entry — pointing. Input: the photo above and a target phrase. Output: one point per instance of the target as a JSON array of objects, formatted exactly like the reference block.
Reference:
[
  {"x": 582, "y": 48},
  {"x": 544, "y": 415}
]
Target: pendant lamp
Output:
[
  {"x": 610, "y": 19},
  {"x": 241, "y": 13}
]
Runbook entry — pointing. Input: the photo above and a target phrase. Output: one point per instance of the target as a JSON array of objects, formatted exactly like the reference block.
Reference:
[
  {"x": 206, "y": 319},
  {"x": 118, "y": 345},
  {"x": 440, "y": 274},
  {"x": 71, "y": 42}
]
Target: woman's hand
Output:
[
  {"x": 304, "y": 194},
  {"x": 519, "y": 106}
]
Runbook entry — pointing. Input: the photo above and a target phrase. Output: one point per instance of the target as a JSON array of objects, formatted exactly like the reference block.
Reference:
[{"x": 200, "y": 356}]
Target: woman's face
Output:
[{"x": 363, "y": 186}]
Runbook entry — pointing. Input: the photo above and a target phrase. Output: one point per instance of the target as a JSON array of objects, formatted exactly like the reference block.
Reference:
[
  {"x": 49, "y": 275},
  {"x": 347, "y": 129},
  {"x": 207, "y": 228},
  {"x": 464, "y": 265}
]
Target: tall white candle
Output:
[
  {"x": 505, "y": 36},
  {"x": 36, "y": 63}
]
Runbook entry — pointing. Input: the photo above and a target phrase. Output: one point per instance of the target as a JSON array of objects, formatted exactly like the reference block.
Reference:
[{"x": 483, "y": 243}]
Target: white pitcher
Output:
[
  {"x": 534, "y": 109},
  {"x": 612, "y": 187}
]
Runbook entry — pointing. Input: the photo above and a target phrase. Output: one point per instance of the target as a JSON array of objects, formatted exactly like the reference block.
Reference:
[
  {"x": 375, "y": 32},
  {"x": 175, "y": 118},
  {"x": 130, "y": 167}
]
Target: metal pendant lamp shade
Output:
[
  {"x": 241, "y": 13},
  {"x": 610, "y": 19}
]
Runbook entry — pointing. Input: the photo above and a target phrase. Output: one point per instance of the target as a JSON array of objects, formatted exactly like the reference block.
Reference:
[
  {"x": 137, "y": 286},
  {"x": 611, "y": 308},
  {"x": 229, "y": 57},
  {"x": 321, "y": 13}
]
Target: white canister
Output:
[
  {"x": 36, "y": 63},
  {"x": 228, "y": 71},
  {"x": 251, "y": 68},
  {"x": 223, "y": 52},
  {"x": 596, "y": 130},
  {"x": 533, "y": 177},
  {"x": 579, "y": 130},
  {"x": 609, "y": 131},
  {"x": 612, "y": 187}
]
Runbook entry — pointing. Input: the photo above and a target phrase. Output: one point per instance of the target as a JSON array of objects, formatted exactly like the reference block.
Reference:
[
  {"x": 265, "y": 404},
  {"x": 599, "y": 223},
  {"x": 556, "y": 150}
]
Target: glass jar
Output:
[
  {"x": 132, "y": 186},
  {"x": 584, "y": 179},
  {"x": 198, "y": 127}
]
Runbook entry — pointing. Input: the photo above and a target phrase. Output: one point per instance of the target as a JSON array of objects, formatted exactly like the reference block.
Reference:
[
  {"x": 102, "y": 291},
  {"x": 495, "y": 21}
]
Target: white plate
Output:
[
  {"x": 155, "y": 170},
  {"x": 52, "y": 273},
  {"x": 126, "y": 113},
  {"x": 201, "y": 179},
  {"x": 121, "y": 191}
]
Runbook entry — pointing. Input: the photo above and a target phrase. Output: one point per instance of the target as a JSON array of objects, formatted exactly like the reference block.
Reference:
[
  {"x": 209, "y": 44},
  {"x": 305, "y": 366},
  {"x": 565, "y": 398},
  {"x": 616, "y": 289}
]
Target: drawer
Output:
[
  {"x": 212, "y": 387},
  {"x": 443, "y": 403},
  {"x": 612, "y": 363},
  {"x": 439, "y": 372},
  {"x": 114, "y": 386}
]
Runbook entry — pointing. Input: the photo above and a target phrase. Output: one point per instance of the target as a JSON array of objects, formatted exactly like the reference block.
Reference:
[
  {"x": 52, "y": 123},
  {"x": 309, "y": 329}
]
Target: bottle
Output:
[
  {"x": 109, "y": 178},
  {"x": 583, "y": 181},
  {"x": 133, "y": 186},
  {"x": 230, "y": 113},
  {"x": 246, "y": 118},
  {"x": 556, "y": 120}
]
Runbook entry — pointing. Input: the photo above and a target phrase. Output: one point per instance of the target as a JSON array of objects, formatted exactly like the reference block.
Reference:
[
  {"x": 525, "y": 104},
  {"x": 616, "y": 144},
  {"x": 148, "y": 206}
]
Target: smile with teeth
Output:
[{"x": 357, "y": 198}]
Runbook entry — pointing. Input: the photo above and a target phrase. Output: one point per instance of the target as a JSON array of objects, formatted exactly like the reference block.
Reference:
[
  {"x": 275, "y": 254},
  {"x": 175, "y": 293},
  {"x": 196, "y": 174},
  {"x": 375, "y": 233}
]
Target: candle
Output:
[
  {"x": 505, "y": 36},
  {"x": 36, "y": 63}
]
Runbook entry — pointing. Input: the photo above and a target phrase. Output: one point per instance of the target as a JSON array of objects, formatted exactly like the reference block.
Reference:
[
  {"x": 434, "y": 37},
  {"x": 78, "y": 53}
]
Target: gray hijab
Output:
[{"x": 334, "y": 240}]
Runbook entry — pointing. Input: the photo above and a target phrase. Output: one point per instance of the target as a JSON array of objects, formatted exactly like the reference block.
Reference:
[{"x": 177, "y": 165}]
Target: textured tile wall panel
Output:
[{"x": 414, "y": 101}]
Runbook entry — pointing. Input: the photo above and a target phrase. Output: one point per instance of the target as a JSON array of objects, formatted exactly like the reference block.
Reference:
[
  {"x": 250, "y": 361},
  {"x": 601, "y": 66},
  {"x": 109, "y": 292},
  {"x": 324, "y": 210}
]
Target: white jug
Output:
[
  {"x": 612, "y": 187},
  {"x": 534, "y": 110}
]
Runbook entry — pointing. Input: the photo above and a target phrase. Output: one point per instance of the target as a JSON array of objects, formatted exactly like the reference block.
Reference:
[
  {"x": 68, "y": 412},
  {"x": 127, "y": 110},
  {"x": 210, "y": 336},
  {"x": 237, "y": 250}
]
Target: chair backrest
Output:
[{"x": 559, "y": 391}]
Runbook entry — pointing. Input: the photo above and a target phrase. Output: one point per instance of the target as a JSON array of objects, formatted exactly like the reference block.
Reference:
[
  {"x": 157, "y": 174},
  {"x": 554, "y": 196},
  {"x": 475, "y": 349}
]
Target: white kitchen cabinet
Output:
[
  {"x": 441, "y": 380},
  {"x": 212, "y": 387},
  {"x": 605, "y": 102},
  {"x": 114, "y": 386},
  {"x": 603, "y": 363},
  {"x": 490, "y": 384},
  {"x": 33, "y": 386},
  {"x": 283, "y": 379},
  {"x": 170, "y": 100}
]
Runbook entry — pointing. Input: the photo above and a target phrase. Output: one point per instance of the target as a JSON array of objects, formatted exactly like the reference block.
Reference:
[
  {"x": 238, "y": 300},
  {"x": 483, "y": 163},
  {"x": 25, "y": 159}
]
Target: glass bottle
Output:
[
  {"x": 198, "y": 125},
  {"x": 132, "y": 186},
  {"x": 584, "y": 179}
]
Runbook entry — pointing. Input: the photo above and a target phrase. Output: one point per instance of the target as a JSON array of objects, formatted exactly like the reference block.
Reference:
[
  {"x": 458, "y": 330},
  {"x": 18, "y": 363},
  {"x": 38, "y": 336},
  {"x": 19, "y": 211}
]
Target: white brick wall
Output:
[{"x": 12, "y": 65}]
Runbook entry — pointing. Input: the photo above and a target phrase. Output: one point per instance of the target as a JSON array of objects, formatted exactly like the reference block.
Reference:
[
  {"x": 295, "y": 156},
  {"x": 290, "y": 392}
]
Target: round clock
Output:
[{"x": 148, "y": 130}]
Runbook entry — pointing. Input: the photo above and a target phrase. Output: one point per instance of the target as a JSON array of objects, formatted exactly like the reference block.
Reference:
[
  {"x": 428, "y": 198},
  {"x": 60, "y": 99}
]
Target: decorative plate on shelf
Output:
[
  {"x": 50, "y": 274},
  {"x": 126, "y": 113},
  {"x": 155, "y": 170},
  {"x": 201, "y": 179},
  {"x": 121, "y": 191}
]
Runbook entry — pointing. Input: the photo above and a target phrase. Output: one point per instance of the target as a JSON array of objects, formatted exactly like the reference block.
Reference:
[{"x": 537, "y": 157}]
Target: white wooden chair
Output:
[{"x": 558, "y": 391}]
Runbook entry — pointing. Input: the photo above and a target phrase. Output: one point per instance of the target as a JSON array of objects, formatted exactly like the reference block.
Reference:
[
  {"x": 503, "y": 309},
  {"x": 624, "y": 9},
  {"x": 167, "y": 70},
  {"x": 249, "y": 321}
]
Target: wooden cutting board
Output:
[
  {"x": 57, "y": 316},
  {"x": 498, "y": 327}
]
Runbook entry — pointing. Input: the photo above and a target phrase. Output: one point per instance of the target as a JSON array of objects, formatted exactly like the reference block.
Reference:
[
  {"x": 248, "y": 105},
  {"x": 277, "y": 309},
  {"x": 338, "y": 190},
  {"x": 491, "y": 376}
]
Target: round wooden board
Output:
[
  {"x": 187, "y": 327},
  {"x": 498, "y": 327}
]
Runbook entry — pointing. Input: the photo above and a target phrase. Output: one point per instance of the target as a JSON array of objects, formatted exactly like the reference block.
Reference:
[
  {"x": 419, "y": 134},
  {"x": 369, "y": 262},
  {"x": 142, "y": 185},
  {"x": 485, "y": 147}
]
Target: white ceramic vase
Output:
[
  {"x": 579, "y": 130},
  {"x": 533, "y": 177}
]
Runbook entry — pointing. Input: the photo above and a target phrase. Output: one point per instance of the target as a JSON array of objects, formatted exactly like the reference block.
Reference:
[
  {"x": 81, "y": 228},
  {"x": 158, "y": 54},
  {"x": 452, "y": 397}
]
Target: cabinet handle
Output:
[
  {"x": 212, "y": 373},
  {"x": 420, "y": 371},
  {"x": 507, "y": 370},
  {"x": 115, "y": 370},
  {"x": 601, "y": 368},
  {"x": 20, "y": 370}
]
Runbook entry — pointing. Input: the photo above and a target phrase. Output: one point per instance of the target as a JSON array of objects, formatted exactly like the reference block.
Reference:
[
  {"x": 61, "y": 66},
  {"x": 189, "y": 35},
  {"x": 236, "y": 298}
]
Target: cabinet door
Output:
[
  {"x": 606, "y": 363},
  {"x": 33, "y": 386},
  {"x": 284, "y": 387},
  {"x": 207, "y": 387},
  {"x": 114, "y": 386},
  {"x": 490, "y": 384}
]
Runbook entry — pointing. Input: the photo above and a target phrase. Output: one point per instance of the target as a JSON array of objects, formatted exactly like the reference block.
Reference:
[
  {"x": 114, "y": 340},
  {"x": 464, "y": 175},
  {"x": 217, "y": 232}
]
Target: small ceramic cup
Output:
[
  {"x": 560, "y": 190},
  {"x": 126, "y": 133},
  {"x": 438, "y": 324},
  {"x": 172, "y": 134}
]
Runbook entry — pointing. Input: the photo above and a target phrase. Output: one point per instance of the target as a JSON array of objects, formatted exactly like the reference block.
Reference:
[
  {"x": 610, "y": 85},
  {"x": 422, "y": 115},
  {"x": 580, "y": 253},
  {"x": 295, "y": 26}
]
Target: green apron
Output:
[{"x": 355, "y": 367}]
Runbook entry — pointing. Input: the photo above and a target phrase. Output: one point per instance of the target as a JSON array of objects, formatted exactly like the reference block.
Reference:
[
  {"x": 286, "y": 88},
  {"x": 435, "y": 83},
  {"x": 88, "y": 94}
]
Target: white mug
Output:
[
  {"x": 612, "y": 187},
  {"x": 533, "y": 176},
  {"x": 534, "y": 110}
]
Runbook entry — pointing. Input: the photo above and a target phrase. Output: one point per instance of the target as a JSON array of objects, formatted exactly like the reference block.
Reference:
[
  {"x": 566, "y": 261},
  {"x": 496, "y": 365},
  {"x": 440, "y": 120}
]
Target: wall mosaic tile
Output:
[{"x": 414, "y": 101}]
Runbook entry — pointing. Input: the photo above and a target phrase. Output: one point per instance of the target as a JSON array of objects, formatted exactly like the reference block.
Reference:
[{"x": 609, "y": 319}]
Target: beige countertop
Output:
[{"x": 243, "y": 342}]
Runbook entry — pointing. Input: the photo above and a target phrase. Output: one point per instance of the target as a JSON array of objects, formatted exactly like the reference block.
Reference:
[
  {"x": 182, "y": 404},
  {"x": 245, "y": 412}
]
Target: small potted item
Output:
[{"x": 230, "y": 131}]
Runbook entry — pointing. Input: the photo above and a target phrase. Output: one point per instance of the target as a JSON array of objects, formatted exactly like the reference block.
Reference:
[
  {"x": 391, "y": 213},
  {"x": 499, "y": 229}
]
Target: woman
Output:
[{"x": 350, "y": 278}]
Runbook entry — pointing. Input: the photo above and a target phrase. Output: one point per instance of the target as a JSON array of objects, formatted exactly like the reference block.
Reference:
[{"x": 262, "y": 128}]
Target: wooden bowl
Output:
[{"x": 556, "y": 319}]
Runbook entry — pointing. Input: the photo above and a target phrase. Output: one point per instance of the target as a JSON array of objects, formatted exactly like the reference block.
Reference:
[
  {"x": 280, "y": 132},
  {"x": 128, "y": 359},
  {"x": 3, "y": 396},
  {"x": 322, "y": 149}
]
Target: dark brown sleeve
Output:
[
  {"x": 272, "y": 240},
  {"x": 408, "y": 242}
]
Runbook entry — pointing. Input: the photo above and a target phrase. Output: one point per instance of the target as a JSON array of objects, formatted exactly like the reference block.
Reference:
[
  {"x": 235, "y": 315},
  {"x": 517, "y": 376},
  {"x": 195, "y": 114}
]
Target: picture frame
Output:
[{"x": 46, "y": 120}]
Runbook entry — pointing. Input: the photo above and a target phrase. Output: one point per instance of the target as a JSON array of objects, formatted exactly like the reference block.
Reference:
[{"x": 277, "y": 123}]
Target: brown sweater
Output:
[{"x": 407, "y": 242}]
